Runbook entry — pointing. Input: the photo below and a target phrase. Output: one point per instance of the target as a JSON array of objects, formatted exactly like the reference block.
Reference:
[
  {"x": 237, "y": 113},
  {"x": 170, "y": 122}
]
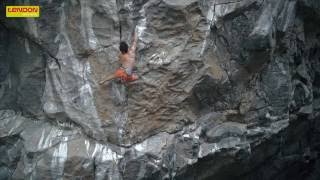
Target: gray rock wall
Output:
[{"x": 227, "y": 90}]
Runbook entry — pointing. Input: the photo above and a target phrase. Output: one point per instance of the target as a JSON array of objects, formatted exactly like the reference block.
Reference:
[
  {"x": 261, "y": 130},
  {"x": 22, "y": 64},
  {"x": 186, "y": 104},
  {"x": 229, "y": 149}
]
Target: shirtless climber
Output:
[{"x": 127, "y": 59}]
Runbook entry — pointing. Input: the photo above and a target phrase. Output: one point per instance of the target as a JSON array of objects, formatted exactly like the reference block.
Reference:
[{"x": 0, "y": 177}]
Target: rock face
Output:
[{"x": 227, "y": 90}]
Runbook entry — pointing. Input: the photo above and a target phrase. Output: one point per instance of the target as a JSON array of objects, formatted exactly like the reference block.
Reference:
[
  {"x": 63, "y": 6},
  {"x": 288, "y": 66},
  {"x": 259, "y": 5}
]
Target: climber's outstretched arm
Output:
[{"x": 134, "y": 42}]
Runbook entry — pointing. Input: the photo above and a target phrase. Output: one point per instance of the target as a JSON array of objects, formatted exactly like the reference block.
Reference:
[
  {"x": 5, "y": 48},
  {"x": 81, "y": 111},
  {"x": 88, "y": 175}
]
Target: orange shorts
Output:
[{"x": 122, "y": 74}]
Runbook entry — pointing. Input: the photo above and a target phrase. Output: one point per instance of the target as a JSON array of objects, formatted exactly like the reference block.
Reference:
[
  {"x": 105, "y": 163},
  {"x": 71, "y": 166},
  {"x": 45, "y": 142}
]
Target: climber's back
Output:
[{"x": 127, "y": 60}]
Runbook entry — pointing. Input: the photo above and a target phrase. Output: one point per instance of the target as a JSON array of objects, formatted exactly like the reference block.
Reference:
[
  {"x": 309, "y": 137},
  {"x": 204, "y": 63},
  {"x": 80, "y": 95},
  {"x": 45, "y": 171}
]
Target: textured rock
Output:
[{"x": 227, "y": 90}]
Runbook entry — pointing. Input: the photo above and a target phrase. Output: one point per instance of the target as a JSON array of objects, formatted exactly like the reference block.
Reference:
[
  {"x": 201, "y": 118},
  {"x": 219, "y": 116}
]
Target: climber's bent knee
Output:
[{"x": 132, "y": 77}]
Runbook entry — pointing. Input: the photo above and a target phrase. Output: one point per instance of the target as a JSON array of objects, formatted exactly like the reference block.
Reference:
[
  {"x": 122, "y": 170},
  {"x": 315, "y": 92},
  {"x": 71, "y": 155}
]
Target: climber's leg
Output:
[
  {"x": 132, "y": 77},
  {"x": 113, "y": 76},
  {"x": 121, "y": 74}
]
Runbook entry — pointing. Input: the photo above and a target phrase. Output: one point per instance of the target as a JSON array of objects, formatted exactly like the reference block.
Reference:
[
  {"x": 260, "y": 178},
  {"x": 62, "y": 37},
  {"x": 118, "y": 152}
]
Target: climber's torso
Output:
[{"x": 127, "y": 60}]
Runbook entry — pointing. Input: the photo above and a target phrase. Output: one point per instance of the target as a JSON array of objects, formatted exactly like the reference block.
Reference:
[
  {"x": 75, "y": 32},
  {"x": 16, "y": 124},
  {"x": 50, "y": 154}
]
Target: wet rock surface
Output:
[{"x": 227, "y": 90}]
